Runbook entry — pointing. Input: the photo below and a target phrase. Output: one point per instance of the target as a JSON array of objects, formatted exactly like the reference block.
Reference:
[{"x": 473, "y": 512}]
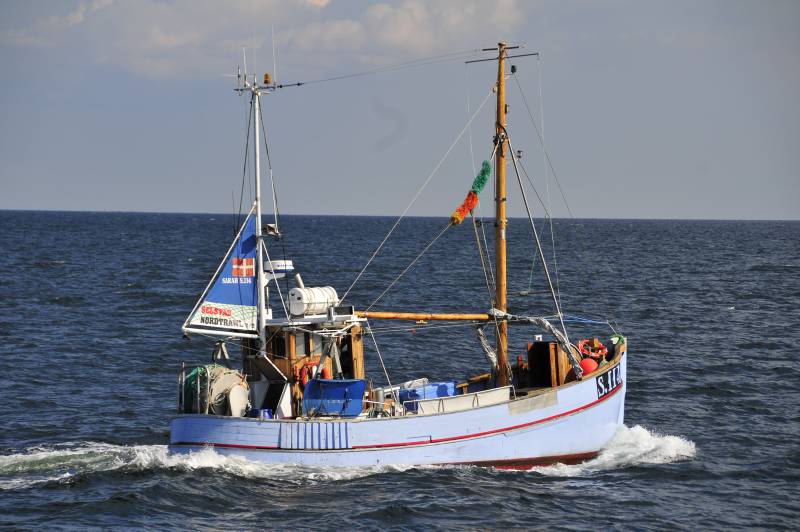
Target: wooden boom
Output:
[{"x": 423, "y": 316}]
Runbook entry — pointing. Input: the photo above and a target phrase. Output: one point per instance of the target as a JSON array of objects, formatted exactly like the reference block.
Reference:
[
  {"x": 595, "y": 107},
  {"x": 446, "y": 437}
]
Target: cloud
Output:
[
  {"x": 79, "y": 14},
  {"x": 22, "y": 38},
  {"x": 164, "y": 39},
  {"x": 46, "y": 30},
  {"x": 332, "y": 34},
  {"x": 384, "y": 31}
]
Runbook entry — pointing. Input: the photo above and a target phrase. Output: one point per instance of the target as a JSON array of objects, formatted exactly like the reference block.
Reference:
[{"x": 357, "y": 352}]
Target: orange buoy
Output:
[
  {"x": 588, "y": 365},
  {"x": 326, "y": 373}
]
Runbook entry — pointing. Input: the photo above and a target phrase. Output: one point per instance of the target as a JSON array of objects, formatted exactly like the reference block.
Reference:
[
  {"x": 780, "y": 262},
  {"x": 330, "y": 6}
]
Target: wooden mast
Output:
[
  {"x": 500, "y": 218},
  {"x": 500, "y": 303}
]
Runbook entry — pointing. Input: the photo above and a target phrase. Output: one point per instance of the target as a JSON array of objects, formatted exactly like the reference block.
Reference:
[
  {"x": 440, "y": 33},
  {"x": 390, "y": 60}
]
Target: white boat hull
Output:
[{"x": 568, "y": 424}]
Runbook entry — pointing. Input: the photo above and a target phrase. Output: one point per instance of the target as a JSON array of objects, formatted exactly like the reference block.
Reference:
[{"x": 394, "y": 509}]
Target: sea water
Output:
[{"x": 90, "y": 345}]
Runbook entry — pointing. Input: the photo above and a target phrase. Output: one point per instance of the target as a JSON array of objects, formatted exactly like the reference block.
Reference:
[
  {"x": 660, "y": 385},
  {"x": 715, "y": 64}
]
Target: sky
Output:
[{"x": 649, "y": 109}]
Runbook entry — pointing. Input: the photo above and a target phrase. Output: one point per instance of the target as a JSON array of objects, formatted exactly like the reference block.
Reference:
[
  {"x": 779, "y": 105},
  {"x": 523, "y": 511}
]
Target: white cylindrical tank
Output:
[{"x": 310, "y": 301}]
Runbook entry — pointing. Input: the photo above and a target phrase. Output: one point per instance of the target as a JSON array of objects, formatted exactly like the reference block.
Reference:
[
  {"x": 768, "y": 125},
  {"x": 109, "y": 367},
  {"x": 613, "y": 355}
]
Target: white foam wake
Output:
[
  {"x": 39, "y": 465},
  {"x": 42, "y": 465},
  {"x": 630, "y": 446}
]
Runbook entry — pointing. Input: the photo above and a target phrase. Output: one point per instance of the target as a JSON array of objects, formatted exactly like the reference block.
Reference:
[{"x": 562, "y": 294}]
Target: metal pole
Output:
[
  {"x": 181, "y": 384},
  {"x": 262, "y": 315}
]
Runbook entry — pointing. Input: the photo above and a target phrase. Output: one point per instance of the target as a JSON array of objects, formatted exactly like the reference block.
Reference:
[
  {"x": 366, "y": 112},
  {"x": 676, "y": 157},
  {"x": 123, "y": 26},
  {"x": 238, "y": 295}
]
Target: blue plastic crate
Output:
[
  {"x": 334, "y": 397},
  {"x": 261, "y": 413},
  {"x": 433, "y": 390}
]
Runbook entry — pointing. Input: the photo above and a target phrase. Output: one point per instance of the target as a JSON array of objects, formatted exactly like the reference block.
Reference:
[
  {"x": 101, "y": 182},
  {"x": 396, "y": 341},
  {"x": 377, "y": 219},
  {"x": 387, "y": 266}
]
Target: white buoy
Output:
[{"x": 237, "y": 400}]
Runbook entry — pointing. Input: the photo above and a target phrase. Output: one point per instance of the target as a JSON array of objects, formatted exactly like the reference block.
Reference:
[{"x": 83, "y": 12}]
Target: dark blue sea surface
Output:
[{"x": 91, "y": 306}]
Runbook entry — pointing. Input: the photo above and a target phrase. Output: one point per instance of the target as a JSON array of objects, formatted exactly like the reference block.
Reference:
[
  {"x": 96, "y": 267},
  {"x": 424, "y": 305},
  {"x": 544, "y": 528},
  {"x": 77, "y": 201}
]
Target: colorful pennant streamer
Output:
[{"x": 471, "y": 200}]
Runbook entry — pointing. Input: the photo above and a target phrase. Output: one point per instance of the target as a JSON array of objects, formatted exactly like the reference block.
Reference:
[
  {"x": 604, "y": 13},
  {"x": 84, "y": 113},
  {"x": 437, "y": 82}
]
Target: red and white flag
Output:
[{"x": 243, "y": 267}]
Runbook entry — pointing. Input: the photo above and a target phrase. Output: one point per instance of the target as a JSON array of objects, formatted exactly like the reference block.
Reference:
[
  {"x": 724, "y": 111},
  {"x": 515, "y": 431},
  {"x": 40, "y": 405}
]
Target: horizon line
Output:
[{"x": 79, "y": 211}]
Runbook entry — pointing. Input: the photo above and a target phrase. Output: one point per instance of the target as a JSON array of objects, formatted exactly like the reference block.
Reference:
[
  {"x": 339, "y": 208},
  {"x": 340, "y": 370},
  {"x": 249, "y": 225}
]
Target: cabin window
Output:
[
  {"x": 346, "y": 351},
  {"x": 316, "y": 345},
  {"x": 301, "y": 345},
  {"x": 277, "y": 346}
]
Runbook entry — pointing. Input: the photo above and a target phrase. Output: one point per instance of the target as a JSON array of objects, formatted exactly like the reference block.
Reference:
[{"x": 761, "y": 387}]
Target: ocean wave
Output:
[
  {"x": 630, "y": 446},
  {"x": 62, "y": 464},
  {"x": 774, "y": 268}
]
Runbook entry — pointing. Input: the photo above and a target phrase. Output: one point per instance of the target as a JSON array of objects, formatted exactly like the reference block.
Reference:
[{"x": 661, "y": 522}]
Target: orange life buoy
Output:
[
  {"x": 307, "y": 373},
  {"x": 592, "y": 348}
]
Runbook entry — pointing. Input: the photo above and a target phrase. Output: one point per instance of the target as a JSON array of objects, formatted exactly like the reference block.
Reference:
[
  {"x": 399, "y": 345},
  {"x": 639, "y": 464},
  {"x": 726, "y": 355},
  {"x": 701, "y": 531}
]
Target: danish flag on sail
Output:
[
  {"x": 243, "y": 267},
  {"x": 230, "y": 303}
]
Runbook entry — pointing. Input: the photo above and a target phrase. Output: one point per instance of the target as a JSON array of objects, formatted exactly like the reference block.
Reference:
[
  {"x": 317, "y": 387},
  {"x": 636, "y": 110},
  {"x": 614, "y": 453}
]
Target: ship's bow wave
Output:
[{"x": 630, "y": 446}]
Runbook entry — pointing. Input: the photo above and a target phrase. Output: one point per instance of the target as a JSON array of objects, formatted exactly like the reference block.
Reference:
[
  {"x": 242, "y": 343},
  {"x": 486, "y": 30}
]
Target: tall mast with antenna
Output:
[
  {"x": 252, "y": 86},
  {"x": 500, "y": 218},
  {"x": 262, "y": 307}
]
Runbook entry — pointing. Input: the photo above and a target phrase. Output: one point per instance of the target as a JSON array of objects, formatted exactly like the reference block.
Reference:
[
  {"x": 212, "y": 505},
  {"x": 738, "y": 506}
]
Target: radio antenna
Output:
[{"x": 274, "y": 61}]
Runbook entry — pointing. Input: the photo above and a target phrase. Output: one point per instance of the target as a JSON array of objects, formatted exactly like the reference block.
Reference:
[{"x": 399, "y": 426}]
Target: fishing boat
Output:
[{"x": 301, "y": 395}]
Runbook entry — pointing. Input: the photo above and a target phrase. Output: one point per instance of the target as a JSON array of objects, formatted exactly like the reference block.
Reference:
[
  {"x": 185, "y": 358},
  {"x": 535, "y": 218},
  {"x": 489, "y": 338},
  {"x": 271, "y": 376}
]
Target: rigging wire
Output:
[
  {"x": 580, "y": 249},
  {"x": 276, "y": 210},
  {"x": 269, "y": 166},
  {"x": 479, "y": 220},
  {"x": 234, "y": 213},
  {"x": 277, "y": 284},
  {"x": 421, "y": 328},
  {"x": 530, "y": 277},
  {"x": 380, "y": 357},
  {"x": 402, "y": 273},
  {"x": 469, "y": 130},
  {"x": 541, "y": 140},
  {"x": 237, "y": 341},
  {"x": 245, "y": 166},
  {"x": 414, "y": 199},
  {"x": 547, "y": 216},
  {"x": 488, "y": 254},
  {"x": 475, "y": 223},
  {"x": 538, "y": 242},
  {"x": 530, "y": 181},
  {"x": 485, "y": 262},
  {"x": 423, "y": 61},
  {"x": 547, "y": 179}
]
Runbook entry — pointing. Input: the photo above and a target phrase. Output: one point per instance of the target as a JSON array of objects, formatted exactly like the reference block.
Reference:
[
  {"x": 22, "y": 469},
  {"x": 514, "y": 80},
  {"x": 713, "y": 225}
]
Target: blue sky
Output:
[{"x": 651, "y": 109}]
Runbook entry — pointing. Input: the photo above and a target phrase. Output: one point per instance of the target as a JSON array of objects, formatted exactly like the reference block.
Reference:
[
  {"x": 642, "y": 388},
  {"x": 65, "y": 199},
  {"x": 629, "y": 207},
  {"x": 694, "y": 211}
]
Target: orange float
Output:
[{"x": 588, "y": 365}]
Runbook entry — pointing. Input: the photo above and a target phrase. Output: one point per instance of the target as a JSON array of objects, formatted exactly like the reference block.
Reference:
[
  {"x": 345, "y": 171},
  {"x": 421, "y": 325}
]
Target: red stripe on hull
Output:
[
  {"x": 495, "y": 431},
  {"x": 524, "y": 464},
  {"x": 529, "y": 462},
  {"x": 227, "y": 445}
]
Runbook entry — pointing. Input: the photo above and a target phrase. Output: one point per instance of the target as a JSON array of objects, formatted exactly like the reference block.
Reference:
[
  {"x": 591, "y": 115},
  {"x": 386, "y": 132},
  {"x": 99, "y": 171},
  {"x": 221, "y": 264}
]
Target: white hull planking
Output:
[{"x": 569, "y": 424}]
